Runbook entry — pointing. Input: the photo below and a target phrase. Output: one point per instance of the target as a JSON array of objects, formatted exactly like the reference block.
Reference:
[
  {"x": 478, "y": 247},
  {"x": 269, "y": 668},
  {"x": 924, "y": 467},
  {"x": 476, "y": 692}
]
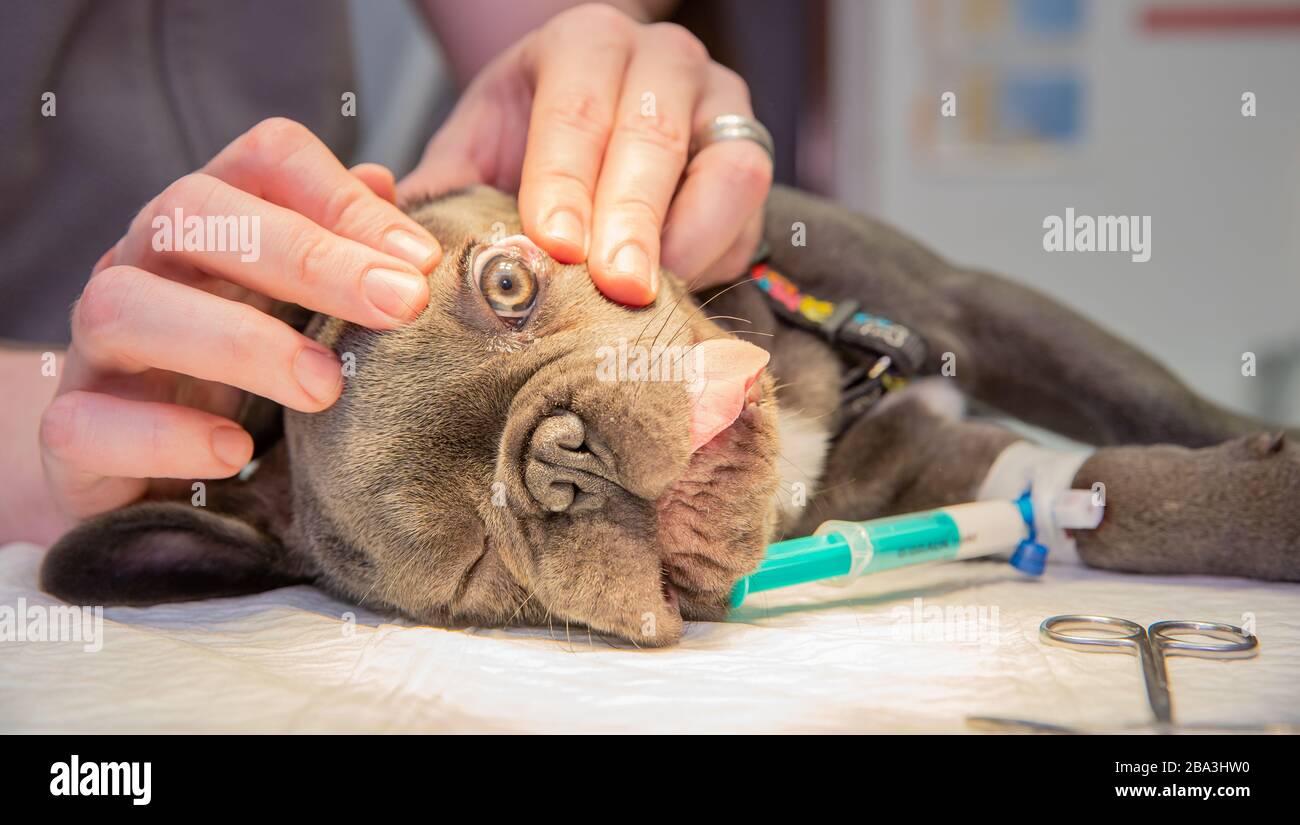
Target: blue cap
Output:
[{"x": 1030, "y": 557}]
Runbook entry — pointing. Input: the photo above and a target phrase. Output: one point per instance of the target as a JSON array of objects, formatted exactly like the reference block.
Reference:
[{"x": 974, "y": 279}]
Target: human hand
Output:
[
  {"x": 165, "y": 342},
  {"x": 590, "y": 118}
]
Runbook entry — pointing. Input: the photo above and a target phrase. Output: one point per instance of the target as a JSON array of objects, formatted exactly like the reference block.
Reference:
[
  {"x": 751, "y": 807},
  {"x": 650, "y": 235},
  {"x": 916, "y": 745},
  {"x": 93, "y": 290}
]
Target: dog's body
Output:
[{"x": 483, "y": 472}]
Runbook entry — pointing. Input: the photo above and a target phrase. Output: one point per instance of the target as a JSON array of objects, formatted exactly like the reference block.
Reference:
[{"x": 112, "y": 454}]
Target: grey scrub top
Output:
[{"x": 145, "y": 91}]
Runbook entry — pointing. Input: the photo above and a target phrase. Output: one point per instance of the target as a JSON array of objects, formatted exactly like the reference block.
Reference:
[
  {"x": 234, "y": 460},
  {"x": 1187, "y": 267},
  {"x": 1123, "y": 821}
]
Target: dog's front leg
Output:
[
  {"x": 1228, "y": 510},
  {"x": 1232, "y": 509}
]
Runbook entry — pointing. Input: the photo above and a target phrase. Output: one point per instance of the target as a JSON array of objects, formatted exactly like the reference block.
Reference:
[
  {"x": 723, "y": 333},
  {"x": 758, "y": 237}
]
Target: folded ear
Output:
[{"x": 170, "y": 551}]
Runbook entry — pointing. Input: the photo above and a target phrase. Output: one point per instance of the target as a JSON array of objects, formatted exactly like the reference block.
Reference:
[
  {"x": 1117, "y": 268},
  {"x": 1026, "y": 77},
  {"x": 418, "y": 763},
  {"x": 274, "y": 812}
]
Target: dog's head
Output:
[{"x": 526, "y": 451}]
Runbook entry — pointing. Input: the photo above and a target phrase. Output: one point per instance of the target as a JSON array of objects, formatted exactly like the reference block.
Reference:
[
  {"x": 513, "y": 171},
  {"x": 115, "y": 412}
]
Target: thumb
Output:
[{"x": 433, "y": 176}]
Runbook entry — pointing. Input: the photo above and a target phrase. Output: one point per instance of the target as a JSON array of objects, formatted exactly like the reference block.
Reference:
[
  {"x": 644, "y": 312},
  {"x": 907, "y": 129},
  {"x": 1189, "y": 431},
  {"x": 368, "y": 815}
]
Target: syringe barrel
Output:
[
  {"x": 841, "y": 551},
  {"x": 787, "y": 563},
  {"x": 962, "y": 531}
]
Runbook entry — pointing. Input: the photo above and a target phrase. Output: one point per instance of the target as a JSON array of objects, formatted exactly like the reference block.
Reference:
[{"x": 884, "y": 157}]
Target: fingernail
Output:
[
  {"x": 393, "y": 293},
  {"x": 564, "y": 225},
  {"x": 318, "y": 373},
  {"x": 232, "y": 445},
  {"x": 631, "y": 261},
  {"x": 410, "y": 247}
]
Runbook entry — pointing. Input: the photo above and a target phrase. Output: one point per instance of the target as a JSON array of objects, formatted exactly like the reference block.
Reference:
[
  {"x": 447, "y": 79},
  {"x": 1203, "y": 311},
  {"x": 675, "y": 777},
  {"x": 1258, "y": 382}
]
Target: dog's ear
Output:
[{"x": 170, "y": 551}]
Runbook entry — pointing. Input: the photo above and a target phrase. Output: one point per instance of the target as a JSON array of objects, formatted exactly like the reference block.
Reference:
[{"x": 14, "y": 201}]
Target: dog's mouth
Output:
[{"x": 669, "y": 591}]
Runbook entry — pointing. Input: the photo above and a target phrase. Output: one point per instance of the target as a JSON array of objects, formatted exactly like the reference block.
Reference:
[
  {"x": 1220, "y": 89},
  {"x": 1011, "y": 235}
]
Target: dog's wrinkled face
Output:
[
  {"x": 529, "y": 452},
  {"x": 525, "y": 452}
]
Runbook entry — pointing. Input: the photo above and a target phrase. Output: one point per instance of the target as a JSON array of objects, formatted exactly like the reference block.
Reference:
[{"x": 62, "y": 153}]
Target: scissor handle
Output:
[
  {"x": 1126, "y": 637},
  {"x": 1121, "y": 634},
  {"x": 1237, "y": 643}
]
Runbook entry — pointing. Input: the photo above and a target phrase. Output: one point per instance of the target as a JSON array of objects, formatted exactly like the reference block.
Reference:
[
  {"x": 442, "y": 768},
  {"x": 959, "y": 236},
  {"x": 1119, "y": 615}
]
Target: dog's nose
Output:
[{"x": 568, "y": 468}]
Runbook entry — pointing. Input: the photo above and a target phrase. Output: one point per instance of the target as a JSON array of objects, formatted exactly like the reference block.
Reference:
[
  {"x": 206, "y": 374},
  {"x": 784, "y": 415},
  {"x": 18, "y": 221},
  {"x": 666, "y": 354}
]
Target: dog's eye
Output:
[{"x": 509, "y": 287}]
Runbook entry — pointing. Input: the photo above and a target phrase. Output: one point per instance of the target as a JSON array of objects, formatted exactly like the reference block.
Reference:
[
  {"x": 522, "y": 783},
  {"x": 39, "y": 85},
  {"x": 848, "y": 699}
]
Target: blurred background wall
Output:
[
  {"x": 1158, "y": 131},
  {"x": 1111, "y": 107}
]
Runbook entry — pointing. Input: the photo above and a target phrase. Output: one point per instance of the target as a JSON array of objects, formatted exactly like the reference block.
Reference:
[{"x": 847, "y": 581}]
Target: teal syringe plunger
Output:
[{"x": 842, "y": 551}]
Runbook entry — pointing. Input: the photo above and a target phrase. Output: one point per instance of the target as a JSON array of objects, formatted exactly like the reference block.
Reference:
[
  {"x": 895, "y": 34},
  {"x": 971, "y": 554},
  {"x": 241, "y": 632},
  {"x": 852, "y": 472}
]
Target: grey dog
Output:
[{"x": 480, "y": 469}]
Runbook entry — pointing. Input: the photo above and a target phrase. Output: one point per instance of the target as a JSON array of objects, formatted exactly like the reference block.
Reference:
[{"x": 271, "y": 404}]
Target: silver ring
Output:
[{"x": 733, "y": 127}]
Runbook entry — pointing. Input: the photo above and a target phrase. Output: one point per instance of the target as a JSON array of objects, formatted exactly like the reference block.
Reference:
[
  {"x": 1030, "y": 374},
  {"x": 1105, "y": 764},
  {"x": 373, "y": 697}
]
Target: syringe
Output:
[{"x": 841, "y": 551}]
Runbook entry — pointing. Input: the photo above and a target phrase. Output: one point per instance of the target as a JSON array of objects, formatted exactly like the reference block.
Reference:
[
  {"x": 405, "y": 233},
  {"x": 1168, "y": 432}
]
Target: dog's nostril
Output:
[
  {"x": 562, "y": 429},
  {"x": 567, "y": 469}
]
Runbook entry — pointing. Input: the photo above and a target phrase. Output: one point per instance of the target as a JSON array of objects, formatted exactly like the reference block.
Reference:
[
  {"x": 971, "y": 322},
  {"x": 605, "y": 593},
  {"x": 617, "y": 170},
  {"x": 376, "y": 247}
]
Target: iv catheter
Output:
[{"x": 841, "y": 551}]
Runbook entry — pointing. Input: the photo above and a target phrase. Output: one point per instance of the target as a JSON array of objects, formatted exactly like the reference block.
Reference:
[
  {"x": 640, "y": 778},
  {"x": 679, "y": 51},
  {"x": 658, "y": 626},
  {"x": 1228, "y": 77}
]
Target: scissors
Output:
[{"x": 1152, "y": 645}]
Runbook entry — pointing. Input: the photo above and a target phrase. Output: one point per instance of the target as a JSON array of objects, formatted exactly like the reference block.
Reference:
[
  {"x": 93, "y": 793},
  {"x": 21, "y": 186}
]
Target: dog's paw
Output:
[
  {"x": 1229, "y": 510},
  {"x": 939, "y": 396}
]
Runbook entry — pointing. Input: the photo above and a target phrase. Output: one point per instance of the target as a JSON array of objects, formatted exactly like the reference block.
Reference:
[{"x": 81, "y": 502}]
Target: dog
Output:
[{"x": 528, "y": 452}]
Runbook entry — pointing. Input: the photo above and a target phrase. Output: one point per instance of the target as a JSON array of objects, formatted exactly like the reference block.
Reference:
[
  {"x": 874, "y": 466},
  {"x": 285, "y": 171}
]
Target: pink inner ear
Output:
[{"x": 722, "y": 371}]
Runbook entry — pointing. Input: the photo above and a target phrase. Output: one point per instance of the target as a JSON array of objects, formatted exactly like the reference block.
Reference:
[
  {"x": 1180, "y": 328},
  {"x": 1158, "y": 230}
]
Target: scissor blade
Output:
[{"x": 999, "y": 724}]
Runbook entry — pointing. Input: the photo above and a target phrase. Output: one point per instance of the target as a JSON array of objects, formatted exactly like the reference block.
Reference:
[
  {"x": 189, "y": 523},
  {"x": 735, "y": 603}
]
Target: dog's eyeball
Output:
[{"x": 508, "y": 285}]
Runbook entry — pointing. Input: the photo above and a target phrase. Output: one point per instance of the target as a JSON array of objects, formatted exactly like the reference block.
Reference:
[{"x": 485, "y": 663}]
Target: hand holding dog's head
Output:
[{"x": 523, "y": 452}]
